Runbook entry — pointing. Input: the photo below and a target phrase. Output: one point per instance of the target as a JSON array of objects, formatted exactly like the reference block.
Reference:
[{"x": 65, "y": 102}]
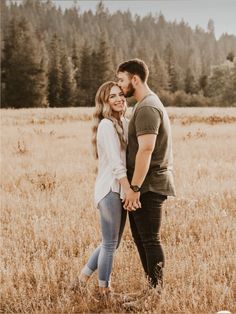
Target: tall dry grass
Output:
[{"x": 49, "y": 225}]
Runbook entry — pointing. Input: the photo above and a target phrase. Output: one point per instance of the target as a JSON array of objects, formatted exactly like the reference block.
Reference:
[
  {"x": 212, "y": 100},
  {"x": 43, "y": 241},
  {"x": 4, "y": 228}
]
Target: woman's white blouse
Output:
[{"x": 111, "y": 160}]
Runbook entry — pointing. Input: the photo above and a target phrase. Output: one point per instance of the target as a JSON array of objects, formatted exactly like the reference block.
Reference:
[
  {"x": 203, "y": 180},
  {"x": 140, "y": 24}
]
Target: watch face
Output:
[{"x": 135, "y": 188}]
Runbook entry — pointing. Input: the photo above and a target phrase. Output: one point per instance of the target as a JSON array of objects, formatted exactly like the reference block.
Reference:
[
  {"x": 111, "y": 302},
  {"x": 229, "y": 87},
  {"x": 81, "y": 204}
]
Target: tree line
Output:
[{"x": 52, "y": 58}]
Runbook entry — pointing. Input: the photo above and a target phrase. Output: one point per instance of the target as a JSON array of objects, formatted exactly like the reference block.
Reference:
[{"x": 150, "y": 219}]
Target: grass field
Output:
[{"x": 49, "y": 225}]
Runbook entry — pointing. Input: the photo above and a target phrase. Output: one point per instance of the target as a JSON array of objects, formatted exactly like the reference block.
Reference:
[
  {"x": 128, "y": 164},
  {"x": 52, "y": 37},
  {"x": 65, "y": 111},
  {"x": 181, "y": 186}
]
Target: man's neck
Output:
[{"x": 142, "y": 91}]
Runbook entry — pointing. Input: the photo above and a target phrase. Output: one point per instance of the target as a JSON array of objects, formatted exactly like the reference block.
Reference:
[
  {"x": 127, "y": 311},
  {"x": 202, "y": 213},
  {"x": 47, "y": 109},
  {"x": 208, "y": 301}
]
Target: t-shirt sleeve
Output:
[{"x": 148, "y": 120}]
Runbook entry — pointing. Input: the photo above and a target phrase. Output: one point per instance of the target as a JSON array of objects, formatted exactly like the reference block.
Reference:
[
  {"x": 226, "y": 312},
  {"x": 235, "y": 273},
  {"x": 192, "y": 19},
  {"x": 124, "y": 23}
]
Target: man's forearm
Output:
[{"x": 142, "y": 163}]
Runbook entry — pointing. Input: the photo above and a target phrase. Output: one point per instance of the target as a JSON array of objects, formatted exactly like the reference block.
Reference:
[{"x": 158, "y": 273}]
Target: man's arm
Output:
[
  {"x": 147, "y": 123},
  {"x": 142, "y": 162}
]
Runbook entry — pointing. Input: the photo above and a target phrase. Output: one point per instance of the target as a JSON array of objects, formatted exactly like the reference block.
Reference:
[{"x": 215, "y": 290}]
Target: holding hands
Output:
[{"x": 131, "y": 201}]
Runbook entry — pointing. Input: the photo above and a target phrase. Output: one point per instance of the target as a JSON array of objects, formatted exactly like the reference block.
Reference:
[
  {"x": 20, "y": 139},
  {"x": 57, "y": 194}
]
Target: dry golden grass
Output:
[{"x": 49, "y": 225}]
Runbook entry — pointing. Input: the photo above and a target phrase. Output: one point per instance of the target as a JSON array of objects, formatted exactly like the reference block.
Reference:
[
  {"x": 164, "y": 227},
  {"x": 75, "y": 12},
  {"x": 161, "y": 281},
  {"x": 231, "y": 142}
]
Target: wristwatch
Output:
[{"x": 135, "y": 188}]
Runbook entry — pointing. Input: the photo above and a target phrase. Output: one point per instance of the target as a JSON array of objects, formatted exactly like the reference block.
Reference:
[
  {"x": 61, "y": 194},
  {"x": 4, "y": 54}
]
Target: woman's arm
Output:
[{"x": 111, "y": 144}]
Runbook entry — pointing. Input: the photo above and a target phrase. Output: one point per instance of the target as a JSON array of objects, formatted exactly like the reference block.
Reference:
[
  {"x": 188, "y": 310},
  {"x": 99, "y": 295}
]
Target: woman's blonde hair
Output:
[{"x": 103, "y": 110}]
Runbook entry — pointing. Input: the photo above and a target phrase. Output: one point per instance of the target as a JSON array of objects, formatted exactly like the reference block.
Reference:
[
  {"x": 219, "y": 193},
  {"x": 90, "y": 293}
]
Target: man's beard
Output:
[{"x": 130, "y": 91}]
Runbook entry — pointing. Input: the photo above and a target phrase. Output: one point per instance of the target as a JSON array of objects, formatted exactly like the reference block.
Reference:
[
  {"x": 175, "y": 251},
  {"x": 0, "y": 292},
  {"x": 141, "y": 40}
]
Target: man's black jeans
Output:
[{"x": 145, "y": 226}]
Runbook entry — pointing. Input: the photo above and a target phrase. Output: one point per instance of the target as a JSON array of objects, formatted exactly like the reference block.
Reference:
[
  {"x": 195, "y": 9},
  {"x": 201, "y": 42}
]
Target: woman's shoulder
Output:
[
  {"x": 105, "y": 124},
  {"x": 105, "y": 121}
]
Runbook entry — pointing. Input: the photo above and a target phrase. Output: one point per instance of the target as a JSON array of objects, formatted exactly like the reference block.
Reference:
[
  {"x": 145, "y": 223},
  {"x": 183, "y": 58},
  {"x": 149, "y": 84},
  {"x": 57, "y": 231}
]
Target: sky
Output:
[{"x": 194, "y": 12}]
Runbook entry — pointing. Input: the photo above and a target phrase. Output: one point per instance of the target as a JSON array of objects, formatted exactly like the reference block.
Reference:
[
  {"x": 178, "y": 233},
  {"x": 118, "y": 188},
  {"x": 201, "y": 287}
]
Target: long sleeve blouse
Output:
[{"x": 111, "y": 160}]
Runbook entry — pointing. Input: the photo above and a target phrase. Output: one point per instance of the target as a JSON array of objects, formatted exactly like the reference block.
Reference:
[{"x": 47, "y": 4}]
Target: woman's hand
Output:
[{"x": 131, "y": 201}]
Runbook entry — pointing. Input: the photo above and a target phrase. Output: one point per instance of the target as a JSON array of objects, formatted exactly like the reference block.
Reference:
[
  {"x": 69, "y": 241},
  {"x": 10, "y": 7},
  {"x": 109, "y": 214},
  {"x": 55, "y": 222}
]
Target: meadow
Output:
[{"x": 49, "y": 225}]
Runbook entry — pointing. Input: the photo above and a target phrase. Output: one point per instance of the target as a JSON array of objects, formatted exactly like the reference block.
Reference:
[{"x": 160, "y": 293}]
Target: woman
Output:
[{"x": 109, "y": 140}]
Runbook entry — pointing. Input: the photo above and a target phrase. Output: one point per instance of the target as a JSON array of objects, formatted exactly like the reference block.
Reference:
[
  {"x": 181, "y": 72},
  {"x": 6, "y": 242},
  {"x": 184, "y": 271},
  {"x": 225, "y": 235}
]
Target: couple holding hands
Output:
[{"x": 134, "y": 173}]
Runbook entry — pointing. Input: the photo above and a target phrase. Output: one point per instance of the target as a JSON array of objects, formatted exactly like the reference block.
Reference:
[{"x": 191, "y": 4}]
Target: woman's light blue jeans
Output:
[{"x": 112, "y": 218}]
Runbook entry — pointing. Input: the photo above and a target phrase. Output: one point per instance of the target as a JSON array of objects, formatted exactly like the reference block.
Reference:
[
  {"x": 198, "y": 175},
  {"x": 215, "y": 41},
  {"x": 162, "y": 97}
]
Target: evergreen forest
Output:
[{"x": 55, "y": 58}]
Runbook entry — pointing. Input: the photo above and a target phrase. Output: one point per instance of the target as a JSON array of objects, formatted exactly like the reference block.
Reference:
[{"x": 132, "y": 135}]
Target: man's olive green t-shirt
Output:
[{"x": 150, "y": 117}]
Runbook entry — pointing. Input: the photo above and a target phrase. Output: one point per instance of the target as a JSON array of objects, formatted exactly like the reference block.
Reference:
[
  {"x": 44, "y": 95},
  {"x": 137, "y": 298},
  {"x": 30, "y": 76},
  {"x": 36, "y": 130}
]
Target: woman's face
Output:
[{"x": 117, "y": 99}]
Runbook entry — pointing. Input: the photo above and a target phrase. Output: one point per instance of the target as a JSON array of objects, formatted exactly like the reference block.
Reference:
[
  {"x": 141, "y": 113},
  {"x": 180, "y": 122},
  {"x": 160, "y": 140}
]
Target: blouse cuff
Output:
[{"x": 120, "y": 174}]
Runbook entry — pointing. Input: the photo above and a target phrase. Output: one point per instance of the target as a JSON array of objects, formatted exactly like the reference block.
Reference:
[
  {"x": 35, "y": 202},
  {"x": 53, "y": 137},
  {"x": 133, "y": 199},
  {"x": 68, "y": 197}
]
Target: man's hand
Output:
[{"x": 131, "y": 201}]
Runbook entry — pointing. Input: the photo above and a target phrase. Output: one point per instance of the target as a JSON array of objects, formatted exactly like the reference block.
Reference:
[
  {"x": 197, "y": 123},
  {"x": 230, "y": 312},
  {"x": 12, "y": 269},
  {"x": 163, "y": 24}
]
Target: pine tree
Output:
[
  {"x": 55, "y": 74},
  {"x": 102, "y": 62},
  {"x": 211, "y": 27},
  {"x": 171, "y": 68},
  {"x": 189, "y": 82},
  {"x": 85, "y": 78},
  {"x": 25, "y": 75},
  {"x": 229, "y": 93},
  {"x": 101, "y": 72},
  {"x": 75, "y": 61},
  {"x": 95, "y": 69},
  {"x": 203, "y": 84},
  {"x": 217, "y": 80},
  {"x": 101, "y": 15},
  {"x": 158, "y": 77},
  {"x": 68, "y": 86}
]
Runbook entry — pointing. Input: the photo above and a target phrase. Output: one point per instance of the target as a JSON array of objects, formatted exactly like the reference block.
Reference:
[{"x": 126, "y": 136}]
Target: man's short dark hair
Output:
[{"x": 135, "y": 66}]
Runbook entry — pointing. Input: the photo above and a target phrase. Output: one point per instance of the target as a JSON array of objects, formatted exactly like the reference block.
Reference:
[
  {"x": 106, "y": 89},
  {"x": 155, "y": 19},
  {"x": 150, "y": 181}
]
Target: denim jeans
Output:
[
  {"x": 112, "y": 218},
  {"x": 145, "y": 225}
]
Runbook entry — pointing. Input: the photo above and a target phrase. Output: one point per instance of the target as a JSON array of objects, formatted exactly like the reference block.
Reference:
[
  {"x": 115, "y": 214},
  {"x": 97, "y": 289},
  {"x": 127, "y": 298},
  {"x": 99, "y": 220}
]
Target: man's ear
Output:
[{"x": 135, "y": 80}]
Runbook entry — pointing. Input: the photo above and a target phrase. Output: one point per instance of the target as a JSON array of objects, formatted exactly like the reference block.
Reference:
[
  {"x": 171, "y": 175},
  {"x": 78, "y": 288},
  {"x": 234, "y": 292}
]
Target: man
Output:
[{"x": 149, "y": 166}]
